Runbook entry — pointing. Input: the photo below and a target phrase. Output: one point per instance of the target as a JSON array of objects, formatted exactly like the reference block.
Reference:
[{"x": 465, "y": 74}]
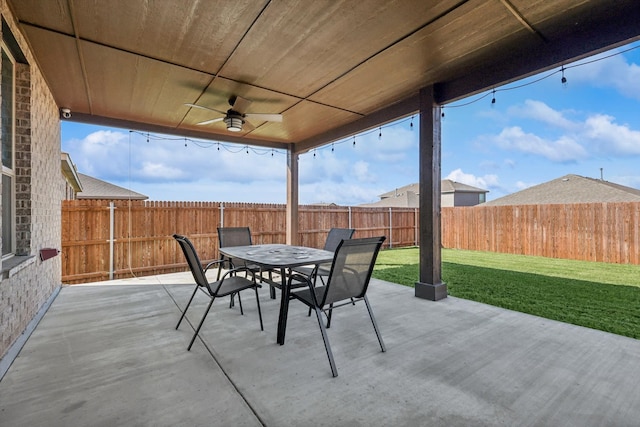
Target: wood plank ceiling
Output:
[{"x": 330, "y": 67}]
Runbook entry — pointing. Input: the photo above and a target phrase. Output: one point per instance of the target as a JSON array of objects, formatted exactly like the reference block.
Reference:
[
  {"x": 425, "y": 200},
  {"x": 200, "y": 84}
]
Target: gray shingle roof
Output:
[
  {"x": 446, "y": 186},
  {"x": 570, "y": 189},
  {"x": 93, "y": 188}
]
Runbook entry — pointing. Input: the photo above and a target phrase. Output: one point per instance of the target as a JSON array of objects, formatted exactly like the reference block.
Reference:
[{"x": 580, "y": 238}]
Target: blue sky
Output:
[{"x": 537, "y": 130}]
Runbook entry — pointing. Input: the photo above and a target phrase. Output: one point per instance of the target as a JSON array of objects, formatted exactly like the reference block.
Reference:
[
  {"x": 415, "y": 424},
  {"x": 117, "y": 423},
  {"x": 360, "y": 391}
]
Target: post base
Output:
[{"x": 431, "y": 292}]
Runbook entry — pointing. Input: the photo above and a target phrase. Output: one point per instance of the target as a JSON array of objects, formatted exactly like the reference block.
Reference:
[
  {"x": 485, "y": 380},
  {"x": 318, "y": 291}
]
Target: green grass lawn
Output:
[{"x": 592, "y": 294}]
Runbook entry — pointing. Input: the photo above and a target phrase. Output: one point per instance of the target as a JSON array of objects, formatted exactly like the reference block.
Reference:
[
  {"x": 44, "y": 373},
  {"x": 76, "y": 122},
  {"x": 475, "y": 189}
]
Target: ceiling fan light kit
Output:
[
  {"x": 234, "y": 118},
  {"x": 234, "y": 124}
]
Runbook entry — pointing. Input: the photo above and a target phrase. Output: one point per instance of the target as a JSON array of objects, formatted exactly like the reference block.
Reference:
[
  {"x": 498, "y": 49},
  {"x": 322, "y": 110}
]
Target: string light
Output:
[
  {"x": 493, "y": 100},
  {"x": 563, "y": 80},
  {"x": 354, "y": 141},
  {"x": 380, "y": 134},
  {"x": 442, "y": 111},
  {"x": 332, "y": 147},
  {"x": 411, "y": 124}
]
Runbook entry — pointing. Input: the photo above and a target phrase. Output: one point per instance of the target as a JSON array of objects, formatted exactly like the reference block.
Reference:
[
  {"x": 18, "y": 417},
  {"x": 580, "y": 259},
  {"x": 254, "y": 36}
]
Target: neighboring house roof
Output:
[
  {"x": 408, "y": 196},
  {"x": 93, "y": 188},
  {"x": 446, "y": 186},
  {"x": 570, "y": 189},
  {"x": 407, "y": 199},
  {"x": 70, "y": 172}
]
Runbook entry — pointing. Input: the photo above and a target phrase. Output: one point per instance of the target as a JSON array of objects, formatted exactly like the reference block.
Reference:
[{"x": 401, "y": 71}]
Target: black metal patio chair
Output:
[
  {"x": 239, "y": 236},
  {"x": 335, "y": 236},
  {"x": 346, "y": 284},
  {"x": 229, "y": 284}
]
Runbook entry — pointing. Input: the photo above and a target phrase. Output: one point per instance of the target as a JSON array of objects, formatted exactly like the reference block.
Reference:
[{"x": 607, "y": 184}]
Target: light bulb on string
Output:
[
  {"x": 247, "y": 147},
  {"x": 380, "y": 133},
  {"x": 493, "y": 100},
  {"x": 332, "y": 147},
  {"x": 354, "y": 141},
  {"x": 218, "y": 146},
  {"x": 442, "y": 112},
  {"x": 411, "y": 124},
  {"x": 563, "y": 80}
]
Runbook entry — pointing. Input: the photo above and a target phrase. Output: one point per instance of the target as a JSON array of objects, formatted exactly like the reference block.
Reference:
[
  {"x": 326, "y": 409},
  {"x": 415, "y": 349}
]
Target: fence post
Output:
[
  {"x": 415, "y": 227},
  {"x": 222, "y": 214},
  {"x": 390, "y": 229},
  {"x": 111, "y": 234},
  {"x": 350, "y": 217}
]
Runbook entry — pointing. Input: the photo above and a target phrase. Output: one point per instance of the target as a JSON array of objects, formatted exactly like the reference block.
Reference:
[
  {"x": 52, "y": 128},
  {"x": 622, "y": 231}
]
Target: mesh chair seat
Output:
[{"x": 347, "y": 283}]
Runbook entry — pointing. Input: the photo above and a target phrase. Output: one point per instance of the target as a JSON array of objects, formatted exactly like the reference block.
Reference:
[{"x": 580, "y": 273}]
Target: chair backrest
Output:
[
  {"x": 335, "y": 236},
  {"x": 194, "y": 262},
  {"x": 234, "y": 236},
  {"x": 351, "y": 269}
]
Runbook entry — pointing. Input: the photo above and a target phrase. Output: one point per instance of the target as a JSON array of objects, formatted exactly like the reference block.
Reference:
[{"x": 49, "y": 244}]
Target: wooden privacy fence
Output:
[
  {"x": 604, "y": 232},
  {"x": 104, "y": 240}
]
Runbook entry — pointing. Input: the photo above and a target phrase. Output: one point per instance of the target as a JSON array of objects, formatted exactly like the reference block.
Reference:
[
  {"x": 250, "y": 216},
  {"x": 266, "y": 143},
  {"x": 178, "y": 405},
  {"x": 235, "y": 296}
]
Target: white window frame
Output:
[{"x": 10, "y": 171}]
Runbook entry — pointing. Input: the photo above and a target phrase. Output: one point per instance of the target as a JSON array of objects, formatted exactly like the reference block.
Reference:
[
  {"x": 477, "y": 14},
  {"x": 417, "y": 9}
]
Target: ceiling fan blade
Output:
[
  {"x": 239, "y": 104},
  {"x": 265, "y": 117},
  {"x": 207, "y": 122},
  {"x": 205, "y": 108},
  {"x": 248, "y": 126}
]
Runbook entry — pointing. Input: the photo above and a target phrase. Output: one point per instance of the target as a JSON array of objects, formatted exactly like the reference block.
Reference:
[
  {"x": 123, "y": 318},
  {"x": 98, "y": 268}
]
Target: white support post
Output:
[{"x": 221, "y": 214}]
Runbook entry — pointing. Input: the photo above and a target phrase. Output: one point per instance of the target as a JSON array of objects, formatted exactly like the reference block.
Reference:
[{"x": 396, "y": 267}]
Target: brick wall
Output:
[{"x": 39, "y": 192}]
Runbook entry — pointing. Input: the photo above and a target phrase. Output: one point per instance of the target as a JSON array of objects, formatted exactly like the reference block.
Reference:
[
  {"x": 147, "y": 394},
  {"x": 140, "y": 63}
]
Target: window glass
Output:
[
  {"x": 7, "y": 200},
  {"x": 7, "y": 110},
  {"x": 7, "y": 121}
]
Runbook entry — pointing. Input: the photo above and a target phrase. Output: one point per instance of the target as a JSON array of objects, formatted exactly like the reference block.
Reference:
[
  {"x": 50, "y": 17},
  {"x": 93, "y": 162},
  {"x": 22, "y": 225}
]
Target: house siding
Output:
[{"x": 23, "y": 291}]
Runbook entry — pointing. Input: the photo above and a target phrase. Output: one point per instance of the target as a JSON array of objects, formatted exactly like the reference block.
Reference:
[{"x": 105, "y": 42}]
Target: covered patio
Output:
[
  {"x": 108, "y": 354},
  {"x": 325, "y": 70}
]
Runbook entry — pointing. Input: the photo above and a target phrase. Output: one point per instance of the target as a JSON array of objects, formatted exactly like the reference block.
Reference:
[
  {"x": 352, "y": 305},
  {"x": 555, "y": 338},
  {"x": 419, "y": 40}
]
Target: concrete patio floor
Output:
[{"x": 108, "y": 355}]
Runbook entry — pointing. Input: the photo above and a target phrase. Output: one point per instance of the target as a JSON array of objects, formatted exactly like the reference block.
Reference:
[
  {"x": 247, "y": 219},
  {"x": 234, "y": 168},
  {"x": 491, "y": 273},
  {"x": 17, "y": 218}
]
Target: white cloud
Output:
[
  {"x": 360, "y": 171},
  {"x": 611, "y": 138},
  {"x": 614, "y": 72},
  {"x": 563, "y": 149},
  {"x": 541, "y": 112},
  {"x": 484, "y": 182}
]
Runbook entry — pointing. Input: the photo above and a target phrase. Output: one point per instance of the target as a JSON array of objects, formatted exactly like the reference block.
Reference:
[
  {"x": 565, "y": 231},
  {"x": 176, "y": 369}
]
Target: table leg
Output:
[{"x": 284, "y": 308}]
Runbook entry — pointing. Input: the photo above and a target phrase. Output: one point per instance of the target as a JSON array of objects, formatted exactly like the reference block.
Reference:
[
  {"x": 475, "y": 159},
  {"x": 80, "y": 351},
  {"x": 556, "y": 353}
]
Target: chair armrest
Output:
[
  {"x": 212, "y": 263},
  {"x": 236, "y": 270},
  {"x": 300, "y": 278}
]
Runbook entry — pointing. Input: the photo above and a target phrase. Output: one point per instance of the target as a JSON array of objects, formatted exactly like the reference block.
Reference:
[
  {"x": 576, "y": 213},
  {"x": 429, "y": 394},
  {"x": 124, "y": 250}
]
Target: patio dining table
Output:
[{"x": 279, "y": 257}]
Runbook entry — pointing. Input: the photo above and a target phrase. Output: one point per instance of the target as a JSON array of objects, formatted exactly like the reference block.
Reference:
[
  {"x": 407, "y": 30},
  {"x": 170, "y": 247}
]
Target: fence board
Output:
[{"x": 143, "y": 245}]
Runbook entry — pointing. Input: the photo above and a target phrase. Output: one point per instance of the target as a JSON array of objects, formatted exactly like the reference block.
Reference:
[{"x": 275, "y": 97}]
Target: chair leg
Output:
[
  {"x": 327, "y": 346},
  {"x": 259, "y": 311},
  {"x": 375, "y": 325},
  {"x": 188, "y": 304},
  {"x": 329, "y": 315},
  {"x": 240, "y": 303},
  {"x": 201, "y": 322},
  {"x": 231, "y": 301}
]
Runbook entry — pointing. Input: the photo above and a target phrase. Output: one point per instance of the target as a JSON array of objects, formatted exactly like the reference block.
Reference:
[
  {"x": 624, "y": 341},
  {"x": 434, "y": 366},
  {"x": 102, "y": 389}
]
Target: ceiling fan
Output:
[{"x": 235, "y": 116}]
